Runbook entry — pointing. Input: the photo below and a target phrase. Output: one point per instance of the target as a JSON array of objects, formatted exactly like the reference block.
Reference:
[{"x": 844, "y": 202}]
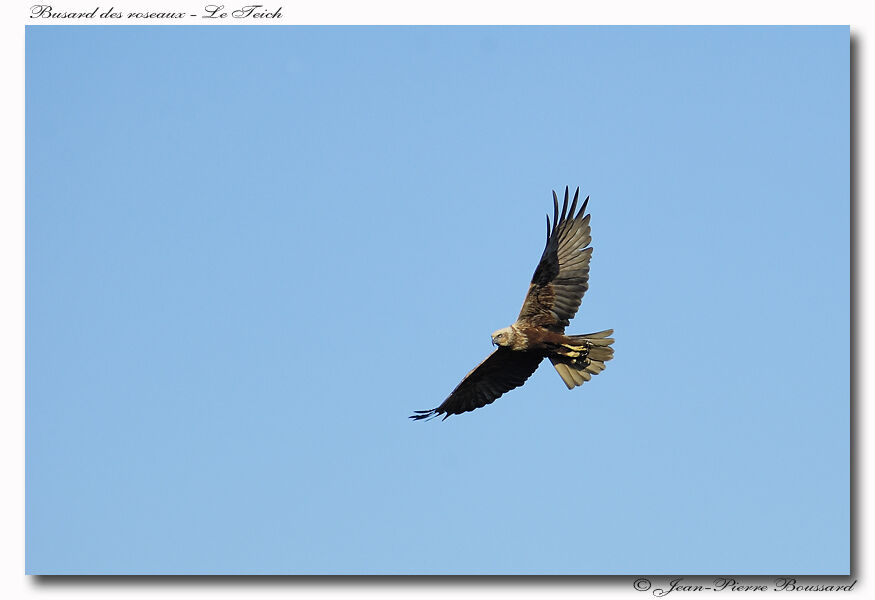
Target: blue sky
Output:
[{"x": 251, "y": 253}]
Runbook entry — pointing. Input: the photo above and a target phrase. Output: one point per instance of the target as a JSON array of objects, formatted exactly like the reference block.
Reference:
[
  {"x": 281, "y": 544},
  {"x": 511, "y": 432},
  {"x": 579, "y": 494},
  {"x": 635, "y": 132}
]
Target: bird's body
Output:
[
  {"x": 524, "y": 337},
  {"x": 560, "y": 280}
]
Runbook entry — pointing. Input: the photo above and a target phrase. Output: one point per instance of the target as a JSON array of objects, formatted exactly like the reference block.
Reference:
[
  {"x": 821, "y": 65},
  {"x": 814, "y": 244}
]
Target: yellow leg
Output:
[{"x": 574, "y": 351}]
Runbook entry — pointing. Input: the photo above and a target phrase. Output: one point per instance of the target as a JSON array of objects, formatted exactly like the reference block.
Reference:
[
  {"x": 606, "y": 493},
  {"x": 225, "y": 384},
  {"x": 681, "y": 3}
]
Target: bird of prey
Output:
[{"x": 557, "y": 287}]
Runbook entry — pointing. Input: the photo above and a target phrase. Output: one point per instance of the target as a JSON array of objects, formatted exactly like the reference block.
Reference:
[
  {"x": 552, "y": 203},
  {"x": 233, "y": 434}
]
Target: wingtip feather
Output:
[
  {"x": 424, "y": 414},
  {"x": 565, "y": 204},
  {"x": 583, "y": 208},
  {"x": 572, "y": 213}
]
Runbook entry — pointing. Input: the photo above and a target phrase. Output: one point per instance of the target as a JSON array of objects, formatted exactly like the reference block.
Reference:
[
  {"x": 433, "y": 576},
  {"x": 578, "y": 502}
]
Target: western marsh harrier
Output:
[{"x": 560, "y": 280}]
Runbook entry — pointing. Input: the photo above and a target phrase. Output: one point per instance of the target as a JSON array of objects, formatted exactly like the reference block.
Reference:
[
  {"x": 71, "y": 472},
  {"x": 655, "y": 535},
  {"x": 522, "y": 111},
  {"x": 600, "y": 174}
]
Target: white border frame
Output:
[{"x": 13, "y": 582}]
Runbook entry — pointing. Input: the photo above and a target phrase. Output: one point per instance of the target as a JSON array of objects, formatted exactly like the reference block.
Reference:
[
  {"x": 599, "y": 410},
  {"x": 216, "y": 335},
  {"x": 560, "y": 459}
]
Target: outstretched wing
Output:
[
  {"x": 502, "y": 371},
  {"x": 562, "y": 275}
]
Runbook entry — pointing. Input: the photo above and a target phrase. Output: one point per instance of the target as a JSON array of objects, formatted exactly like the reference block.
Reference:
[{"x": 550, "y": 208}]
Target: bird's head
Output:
[{"x": 503, "y": 337}]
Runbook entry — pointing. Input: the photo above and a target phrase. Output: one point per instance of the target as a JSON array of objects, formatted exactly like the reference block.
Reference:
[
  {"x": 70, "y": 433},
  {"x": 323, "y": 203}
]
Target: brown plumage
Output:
[{"x": 560, "y": 280}]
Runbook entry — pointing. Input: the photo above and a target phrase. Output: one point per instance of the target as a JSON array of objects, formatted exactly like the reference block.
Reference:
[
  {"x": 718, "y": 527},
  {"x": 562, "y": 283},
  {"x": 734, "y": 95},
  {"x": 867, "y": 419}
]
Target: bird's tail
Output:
[{"x": 582, "y": 356}]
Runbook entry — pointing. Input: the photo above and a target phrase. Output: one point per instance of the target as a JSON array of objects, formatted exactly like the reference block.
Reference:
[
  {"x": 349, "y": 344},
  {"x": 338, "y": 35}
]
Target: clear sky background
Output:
[{"x": 251, "y": 253}]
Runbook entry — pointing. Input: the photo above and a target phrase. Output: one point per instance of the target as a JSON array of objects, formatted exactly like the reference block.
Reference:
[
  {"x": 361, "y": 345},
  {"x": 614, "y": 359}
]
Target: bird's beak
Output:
[{"x": 493, "y": 342}]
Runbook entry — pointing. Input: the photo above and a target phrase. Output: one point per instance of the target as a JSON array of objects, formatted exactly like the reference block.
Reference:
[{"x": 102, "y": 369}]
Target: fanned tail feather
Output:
[{"x": 593, "y": 350}]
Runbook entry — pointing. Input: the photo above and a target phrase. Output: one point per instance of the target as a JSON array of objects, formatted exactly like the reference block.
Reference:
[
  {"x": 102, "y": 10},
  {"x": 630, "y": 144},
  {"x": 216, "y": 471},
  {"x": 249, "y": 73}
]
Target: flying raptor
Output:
[{"x": 557, "y": 287}]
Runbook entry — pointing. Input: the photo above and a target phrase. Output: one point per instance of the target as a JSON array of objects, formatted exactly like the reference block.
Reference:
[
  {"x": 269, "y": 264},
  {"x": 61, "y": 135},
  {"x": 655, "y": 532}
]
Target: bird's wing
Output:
[
  {"x": 561, "y": 277},
  {"x": 502, "y": 371}
]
